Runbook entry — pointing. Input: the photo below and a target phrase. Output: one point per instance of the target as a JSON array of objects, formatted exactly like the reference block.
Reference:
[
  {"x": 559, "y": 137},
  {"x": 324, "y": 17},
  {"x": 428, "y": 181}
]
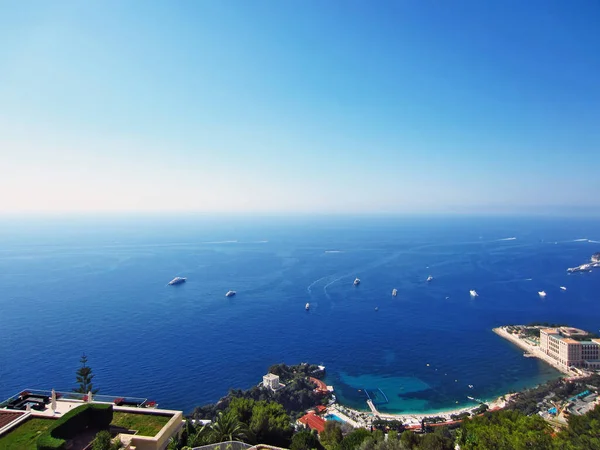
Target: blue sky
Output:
[{"x": 300, "y": 106}]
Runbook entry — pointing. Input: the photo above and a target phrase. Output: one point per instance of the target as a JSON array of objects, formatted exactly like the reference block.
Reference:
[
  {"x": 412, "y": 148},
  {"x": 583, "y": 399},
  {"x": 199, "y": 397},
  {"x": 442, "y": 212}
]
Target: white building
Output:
[{"x": 271, "y": 381}]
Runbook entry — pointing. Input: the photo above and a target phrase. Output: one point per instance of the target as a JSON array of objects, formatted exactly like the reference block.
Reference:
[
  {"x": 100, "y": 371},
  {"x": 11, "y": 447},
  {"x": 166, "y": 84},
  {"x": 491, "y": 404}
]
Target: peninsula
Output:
[
  {"x": 588, "y": 266},
  {"x": 572, "y": 351}
]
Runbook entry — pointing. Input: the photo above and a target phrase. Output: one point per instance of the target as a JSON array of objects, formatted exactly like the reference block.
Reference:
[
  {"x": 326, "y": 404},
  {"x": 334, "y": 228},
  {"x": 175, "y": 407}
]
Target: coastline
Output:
[
  {"x": 532, "y": 349},
  {"x": 364, "y": 417}
]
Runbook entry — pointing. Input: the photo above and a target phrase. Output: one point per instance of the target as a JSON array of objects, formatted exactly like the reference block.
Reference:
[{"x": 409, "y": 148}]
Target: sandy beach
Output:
[{"x": 364, "y": 418}]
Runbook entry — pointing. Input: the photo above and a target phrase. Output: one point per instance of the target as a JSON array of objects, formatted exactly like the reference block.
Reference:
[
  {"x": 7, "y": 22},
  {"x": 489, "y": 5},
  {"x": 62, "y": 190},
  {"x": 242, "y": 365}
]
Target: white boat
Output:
[
  {"x": 356, "y": 282},
  {"x": 562, "y": 288},
  {"x": 429, "y": 278},
  {"x": 307, "y": 307},
  {"x": 177, "y": 280},
  {"x": 542, "y": 294},
  {"x": 394, "y": 292},
  {"x": 377, "y": 308},
  {"x": 473, "y": 293},
  {"x": 230, "y": 293}
]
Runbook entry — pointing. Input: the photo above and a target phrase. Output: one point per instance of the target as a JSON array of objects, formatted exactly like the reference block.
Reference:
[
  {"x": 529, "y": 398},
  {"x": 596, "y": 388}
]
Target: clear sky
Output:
[{"x": 300, "y": 106}]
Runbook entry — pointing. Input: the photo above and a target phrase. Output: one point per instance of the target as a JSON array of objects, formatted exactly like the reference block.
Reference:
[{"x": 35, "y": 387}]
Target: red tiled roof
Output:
[
  {"x": 321, "y": 408},
  {"x": 313, "y": 421},
  {"x": 321, "y": 387}
]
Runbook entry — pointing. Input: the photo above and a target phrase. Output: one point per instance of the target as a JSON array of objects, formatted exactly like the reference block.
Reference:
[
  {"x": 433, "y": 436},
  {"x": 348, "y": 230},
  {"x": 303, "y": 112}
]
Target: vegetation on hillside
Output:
[{"x": 296, "y": 397}]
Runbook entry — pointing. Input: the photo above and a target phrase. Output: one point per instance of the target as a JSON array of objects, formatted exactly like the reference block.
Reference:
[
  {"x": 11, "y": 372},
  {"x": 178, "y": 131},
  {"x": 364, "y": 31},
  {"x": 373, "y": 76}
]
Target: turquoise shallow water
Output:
[{"x": 99, "y": 286}]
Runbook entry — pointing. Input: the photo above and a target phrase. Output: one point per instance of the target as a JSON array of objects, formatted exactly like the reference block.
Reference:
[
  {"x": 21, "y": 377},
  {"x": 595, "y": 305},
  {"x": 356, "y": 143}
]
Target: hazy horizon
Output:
[{"x": 300, "y": 108}]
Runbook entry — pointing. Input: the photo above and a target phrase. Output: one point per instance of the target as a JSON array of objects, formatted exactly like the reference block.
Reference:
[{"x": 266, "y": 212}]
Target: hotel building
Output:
[{"x": 560, "y": 345}]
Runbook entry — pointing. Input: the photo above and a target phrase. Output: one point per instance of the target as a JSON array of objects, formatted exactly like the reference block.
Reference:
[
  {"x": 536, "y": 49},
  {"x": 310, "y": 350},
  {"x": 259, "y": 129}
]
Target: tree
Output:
[
  {"x": 505, "y": 430},
  {"x": 409, "y": 439},
  {"x": 305, "y": 440},
  {"x": 352, "y": 440},
  {"x": 102, "y": 441},
  {"x": 84, "y": 377},
  {"x": 331, "y": 436},
  {"x": 227, "y": 428}
]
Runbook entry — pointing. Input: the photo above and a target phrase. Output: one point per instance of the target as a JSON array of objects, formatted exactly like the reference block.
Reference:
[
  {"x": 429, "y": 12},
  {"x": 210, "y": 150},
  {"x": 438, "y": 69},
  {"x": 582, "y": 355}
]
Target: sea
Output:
[{"x": 98, "y": 285}]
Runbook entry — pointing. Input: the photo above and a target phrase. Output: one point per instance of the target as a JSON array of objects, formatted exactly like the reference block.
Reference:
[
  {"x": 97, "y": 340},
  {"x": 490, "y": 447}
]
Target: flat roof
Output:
[{"x": 550, "y": 330}]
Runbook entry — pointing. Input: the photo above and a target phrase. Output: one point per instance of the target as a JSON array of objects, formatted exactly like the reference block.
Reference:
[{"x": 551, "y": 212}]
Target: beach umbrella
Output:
[
  {"x": 89, "y": 397},
  {"x": 53, "y": 401}
]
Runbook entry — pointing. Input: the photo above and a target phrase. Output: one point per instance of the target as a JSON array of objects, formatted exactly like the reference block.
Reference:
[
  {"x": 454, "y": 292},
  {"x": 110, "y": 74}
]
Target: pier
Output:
[{"x": 372, "y": 407}]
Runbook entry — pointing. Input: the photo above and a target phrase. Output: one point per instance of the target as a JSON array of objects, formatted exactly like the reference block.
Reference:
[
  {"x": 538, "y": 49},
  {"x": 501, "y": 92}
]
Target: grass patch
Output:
[
  {"x": 25, "y": 435},
  {"x": 145, "y": 424}
]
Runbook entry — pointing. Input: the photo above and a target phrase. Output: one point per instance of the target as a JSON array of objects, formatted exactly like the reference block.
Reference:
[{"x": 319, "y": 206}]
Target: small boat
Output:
[
  {"x": 473, "y": 293},
  {"x": 562, "y": 288},
  {"x": 470, "y": 386},
  {"x": 542, "y": 294},
  {"x": 177, "y": 280},
  {"x": 356, "y": 282},
  {"x": 230, "y": 293},
  {"x": 307, "y": 307},
  {"x": 429, "y": 278},
  {"x": 377, "y": 308},
  {"x": 394, "y": 292}
]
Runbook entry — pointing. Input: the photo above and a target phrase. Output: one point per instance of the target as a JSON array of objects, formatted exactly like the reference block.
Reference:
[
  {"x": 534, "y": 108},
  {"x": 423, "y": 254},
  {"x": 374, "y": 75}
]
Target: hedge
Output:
[{"x": 68, "y": 426}]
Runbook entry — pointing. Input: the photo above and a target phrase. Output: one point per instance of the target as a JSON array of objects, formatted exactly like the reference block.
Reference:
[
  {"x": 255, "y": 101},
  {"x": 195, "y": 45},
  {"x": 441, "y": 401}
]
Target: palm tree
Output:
[
  {"x": 199, "y": 436},
  {"x": 227, "y": 428}
]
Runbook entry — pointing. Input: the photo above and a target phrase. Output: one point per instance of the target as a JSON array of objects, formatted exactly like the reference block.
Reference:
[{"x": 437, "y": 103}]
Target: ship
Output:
[
  {"x": 394, "y": 292},
  {"x": 356, "y": 282},
  {"x": 542, "y": 294},
  {"x": 473, "y": 293},
  {"x": 307, "y": 307},
  {"x": 177, "y": 280},
  {"x": 230, "y": 294},
  {"x": 429, "y": 278}
]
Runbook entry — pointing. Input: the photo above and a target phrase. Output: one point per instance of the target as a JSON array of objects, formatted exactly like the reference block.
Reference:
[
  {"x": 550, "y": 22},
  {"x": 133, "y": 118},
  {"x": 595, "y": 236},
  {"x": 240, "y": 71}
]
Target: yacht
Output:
[
  {"x": 356, "y": 282},
  {"x": 473, "y": 293},
  {"x": 394, "y": 292},
  {"x": 562, "y": 288},
  {"x": 542, "y": 294},
  {"x": 230, "y": 294},
  {"x": 429, "y": 278},
  {"x": 307, "y": 307},
  {"x": 177, "y": 280}
]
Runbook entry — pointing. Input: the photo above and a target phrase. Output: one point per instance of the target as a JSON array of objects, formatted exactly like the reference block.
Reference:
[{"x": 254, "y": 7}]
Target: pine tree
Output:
[{"x": 84, "y": 377}]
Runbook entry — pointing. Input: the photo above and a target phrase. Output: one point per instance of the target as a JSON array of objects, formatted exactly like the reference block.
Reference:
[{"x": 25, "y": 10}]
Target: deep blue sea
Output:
[{"x": 99, "y": 286}]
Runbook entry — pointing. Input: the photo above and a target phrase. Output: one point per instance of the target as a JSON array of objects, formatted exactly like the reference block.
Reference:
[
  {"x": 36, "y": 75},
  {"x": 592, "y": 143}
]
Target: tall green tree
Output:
[
  {"x": 305, "y": 440},
  {"x": 331, "y": 436},
  {"x": 227, "y": 428},
  {"x": 84, "y": 377}
]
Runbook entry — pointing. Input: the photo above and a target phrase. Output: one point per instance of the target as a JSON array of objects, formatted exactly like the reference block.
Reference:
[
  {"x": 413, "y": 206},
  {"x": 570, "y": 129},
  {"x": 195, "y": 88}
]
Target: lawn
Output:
[
  {"x": 145, "y": 424},
  {"x": 25, "y": 435}
]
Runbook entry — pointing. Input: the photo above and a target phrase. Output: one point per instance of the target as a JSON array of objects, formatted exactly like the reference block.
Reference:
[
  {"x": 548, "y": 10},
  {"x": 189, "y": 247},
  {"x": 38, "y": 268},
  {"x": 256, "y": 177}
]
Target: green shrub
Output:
[
  {"x": 72, "y": 423},
  {"x": 102, "y": 441}
]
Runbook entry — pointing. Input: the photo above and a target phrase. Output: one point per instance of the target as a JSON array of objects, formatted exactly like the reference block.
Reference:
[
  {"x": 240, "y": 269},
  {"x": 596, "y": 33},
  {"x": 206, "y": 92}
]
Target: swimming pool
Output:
[{"x": 333, "y": 417}]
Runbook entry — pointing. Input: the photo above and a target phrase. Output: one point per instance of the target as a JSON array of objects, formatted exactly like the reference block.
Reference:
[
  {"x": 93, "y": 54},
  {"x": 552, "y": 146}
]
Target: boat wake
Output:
[
  {"x": 310, "y": 286},
  {"x": 508, "y": 239},
  {"x": 333, "y": 251}
]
